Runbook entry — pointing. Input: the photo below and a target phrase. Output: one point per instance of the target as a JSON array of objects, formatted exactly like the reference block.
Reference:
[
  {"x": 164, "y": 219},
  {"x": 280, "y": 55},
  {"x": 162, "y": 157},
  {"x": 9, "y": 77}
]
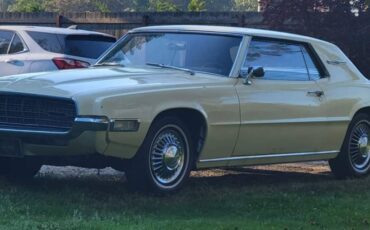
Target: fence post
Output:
[
  {"x": 145, "y": 20},
  {"x": 58, "y": 21},
  {"x": 241, "y": 20}
]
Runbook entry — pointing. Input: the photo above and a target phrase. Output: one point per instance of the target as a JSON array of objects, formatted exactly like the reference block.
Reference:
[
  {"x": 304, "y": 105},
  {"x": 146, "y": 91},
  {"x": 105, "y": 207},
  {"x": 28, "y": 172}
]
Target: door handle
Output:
[
  {"x": 317, "y": 93},
  {"x": 12, "y": 61}
]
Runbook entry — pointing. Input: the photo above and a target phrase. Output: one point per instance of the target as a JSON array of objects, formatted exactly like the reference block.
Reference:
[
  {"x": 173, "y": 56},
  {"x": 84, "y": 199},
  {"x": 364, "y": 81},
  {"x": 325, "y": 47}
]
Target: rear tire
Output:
[
  {"x": 163, "y": 163},
  {"x": 354, "y": 158}
]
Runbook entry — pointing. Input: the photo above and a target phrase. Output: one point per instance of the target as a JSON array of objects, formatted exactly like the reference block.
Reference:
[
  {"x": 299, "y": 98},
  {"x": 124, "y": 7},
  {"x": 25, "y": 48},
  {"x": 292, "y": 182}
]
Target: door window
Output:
[
  {"x": 5, "y": 40},
  {"x": 281, "y": 60}
]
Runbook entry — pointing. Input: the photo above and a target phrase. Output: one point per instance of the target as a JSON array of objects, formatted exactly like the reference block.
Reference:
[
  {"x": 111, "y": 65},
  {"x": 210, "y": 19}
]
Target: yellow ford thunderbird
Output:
[{"x": 166, "y": 100}]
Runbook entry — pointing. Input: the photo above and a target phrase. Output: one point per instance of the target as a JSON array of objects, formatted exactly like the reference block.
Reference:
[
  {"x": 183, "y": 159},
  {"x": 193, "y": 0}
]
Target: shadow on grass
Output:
[{"x": 219, "y": 179}]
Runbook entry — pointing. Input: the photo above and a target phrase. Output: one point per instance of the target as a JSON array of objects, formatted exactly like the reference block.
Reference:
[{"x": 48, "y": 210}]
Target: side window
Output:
[
  {"x": 47, "y": 41},
  {"x": 281, "y": 60},
  {"x": 16, "y": 46},
  {"x": 5, "y": 39}
]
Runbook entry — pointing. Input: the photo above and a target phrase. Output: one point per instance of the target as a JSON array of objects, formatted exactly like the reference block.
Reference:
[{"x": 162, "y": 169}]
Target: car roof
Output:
[
  {"x": 230, "y": 30},
  {"x": 54, "y": 30}
]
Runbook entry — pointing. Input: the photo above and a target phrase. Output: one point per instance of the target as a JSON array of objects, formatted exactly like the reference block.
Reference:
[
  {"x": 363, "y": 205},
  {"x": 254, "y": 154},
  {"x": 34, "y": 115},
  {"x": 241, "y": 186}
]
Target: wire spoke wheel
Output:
[
  {"x": 169, "y": 154},
  {"x": 359, "y": 146}
]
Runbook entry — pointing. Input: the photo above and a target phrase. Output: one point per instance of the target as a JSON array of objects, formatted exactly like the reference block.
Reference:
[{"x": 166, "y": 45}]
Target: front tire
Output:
[
  {"x": 354, "y": 158},
  {"x": 22, "y": 169},
  {"x": 164, "y": 161}
]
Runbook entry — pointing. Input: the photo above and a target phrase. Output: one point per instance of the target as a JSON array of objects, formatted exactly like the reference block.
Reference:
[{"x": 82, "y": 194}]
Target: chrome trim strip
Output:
[
  {"x": 336, "y": 62},
  {"x": 268, "y": 156},
  {"x": 103, "y": 120},
  {"x": 298, "y": 120},
  {"x": 80, "y": 125}
]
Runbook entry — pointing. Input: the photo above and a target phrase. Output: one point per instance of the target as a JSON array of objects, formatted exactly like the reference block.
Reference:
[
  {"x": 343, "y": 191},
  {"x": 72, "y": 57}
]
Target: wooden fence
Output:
[{"x": 352, "y": 34}]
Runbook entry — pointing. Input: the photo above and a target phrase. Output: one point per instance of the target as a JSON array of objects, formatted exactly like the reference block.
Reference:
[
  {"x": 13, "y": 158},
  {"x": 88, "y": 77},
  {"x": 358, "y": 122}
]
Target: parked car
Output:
[
  {"x": 25, "y": 49},
  {"x": 170, "y": 99}
]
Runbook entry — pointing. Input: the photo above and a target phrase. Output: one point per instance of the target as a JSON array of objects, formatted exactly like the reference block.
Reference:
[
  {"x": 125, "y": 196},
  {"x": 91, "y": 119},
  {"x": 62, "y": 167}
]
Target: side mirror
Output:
[
  {"x": 259, "y": 72},
  {"x": 252, "y": 73}
]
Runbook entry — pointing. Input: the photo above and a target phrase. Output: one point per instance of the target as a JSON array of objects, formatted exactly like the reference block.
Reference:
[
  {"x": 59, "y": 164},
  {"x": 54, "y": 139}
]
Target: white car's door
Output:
[{"x": 13, "y": 56}]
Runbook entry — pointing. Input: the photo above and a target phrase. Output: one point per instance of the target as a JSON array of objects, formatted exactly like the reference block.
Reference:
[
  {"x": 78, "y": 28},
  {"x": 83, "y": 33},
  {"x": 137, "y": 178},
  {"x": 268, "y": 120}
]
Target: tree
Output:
[
  {"x": 245, "y": 5},
  {"x": 4, "y": 4},
  {"x": 278, "y": 11},
  {"x": 197, "y": 5},
  {"x": 100, "y": 6},
  {"x": 162, "y": 5},
  {"x": 27, "y": 6},
  {"x": 141, "y": 5}
]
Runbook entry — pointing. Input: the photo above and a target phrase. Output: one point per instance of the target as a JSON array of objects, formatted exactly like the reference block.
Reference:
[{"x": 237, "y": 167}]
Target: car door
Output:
[
  {"x": 282, "y": 112},
  {"x": 12, "y": 53}
]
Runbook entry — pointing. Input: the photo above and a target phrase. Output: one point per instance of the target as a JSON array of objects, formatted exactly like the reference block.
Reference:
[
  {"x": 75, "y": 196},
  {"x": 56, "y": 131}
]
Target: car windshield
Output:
[{"x": 197, "y": 52}]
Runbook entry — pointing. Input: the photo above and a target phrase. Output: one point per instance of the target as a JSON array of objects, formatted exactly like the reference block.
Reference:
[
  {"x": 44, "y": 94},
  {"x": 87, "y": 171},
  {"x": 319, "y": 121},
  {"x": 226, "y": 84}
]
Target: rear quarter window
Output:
[
  {"x": 47, "y": 41},
  {"x": 87, "y": 46}
]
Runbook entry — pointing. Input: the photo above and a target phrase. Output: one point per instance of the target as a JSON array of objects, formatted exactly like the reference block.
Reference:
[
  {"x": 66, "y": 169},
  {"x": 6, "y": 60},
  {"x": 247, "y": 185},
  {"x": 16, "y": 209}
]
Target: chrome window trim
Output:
[{"x": 239, "y": 158}]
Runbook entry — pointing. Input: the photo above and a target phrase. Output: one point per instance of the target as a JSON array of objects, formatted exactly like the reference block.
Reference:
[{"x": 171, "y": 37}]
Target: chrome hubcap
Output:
[
  {"x": 168, "y": 155},
  {"x": 172, "y": 158},
  {"x": 363, "y": 145},
  {"x": 360, "y": 146}
]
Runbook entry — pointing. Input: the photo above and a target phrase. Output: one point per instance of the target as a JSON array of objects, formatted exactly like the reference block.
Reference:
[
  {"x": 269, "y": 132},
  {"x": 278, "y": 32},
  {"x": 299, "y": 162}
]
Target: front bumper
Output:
[
  {"x": 87, "y": 136},
  {"x": 81, "y": 124}
]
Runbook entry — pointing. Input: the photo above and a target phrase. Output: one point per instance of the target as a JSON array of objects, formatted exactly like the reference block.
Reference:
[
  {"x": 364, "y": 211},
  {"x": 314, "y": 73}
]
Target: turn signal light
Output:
[{"x": 125, "y": 125}]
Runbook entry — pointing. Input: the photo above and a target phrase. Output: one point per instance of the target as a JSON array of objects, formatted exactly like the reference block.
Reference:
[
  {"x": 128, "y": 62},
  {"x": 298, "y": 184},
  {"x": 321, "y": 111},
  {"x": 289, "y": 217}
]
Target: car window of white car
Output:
[
  {"x": 16, "y": 46},
  {"x": 12, "y": 57},
  {"x": 5, "y": 39}
]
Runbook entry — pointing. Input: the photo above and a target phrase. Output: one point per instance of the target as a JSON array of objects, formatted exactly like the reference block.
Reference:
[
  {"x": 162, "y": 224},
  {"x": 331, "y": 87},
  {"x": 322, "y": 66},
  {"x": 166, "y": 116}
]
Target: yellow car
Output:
[{"x": 166, "y": 100}]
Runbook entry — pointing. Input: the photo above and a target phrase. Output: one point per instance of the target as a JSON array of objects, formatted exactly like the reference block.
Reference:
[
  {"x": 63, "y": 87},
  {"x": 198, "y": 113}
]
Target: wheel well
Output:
[
  {"x": 194, "y": 120},
  {"x": 365, "y": 110}
]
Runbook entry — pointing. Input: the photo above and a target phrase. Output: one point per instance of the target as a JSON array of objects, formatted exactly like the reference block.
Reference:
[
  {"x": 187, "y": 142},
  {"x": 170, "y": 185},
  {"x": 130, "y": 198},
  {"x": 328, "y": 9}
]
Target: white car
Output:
[{"x": 25, "y": 49}]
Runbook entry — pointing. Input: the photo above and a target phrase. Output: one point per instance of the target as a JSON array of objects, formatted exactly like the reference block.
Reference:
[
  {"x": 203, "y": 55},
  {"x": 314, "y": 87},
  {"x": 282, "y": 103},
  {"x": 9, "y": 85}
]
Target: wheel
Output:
[
  {"x": 354, "y": 157},
  {"x": 164, "y": 161},
  {"x": 22, "y": 168}
]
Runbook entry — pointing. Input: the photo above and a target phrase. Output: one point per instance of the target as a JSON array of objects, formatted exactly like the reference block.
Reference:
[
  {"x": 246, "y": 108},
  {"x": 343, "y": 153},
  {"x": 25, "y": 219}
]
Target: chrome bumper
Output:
[{"x": 80, "y": 125}]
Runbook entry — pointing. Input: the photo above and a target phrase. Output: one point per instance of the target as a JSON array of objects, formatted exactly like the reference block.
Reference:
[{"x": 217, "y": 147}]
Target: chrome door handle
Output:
[{"x": 316, "y": 93}]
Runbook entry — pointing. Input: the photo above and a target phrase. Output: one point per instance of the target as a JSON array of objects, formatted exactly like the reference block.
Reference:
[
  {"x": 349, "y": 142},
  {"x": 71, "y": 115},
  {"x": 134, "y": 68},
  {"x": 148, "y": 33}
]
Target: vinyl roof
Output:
[{"x": 229, "y": 30}]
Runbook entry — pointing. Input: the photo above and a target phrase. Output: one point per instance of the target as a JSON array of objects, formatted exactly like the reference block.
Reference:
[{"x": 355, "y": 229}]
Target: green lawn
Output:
[{"x": 248, "y": 199}]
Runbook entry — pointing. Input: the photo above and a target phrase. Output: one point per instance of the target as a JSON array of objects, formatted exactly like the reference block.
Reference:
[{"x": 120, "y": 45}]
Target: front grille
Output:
[{"x": 36, "y": 112}]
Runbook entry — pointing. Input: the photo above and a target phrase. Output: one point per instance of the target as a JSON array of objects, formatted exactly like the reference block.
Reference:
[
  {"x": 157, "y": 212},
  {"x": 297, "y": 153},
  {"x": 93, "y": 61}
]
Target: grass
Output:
[{"x": 249, "y": 199}]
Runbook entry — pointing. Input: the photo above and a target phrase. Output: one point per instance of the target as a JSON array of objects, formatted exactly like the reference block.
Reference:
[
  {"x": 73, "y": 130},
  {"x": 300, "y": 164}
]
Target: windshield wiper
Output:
[
  {"x": 191, "y": 72},
  {"x": 108, "y": 64}
]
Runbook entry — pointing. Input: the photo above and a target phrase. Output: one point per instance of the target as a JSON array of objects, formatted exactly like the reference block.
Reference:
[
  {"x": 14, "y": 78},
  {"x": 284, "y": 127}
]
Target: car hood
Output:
[{"x": 70, "y": 83}]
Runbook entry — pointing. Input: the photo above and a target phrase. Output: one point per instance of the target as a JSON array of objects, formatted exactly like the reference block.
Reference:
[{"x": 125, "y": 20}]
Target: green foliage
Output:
[
  {"x": 141, "y": 5},
  {"x": 101, "y": 6},
  {"x": 197, "y": 5},
  {"x": 27, "y": 6},
  {"x": 4, "y": 4},
  {"x": 162, "y": 6},
  {"x": 245, "y": 5}
]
